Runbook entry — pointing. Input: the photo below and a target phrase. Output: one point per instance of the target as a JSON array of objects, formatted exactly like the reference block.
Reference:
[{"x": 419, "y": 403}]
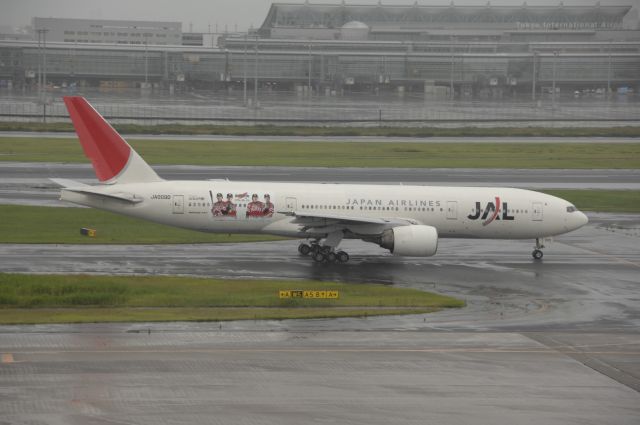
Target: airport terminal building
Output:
[
  {"x": 108, "y": 31},
  {"x": 442, "y": 51},
  {"x": 415, "y": 22}
]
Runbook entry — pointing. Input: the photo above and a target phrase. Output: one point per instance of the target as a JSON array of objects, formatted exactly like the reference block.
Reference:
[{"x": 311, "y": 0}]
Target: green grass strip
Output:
[
  {"x": 212, "y": 314},
  {"x": 31, "y": 224},
  {"x": 382, "y": 131},
  {"x": 86, "y": 298},
  {"x": 344, "y": 154}
]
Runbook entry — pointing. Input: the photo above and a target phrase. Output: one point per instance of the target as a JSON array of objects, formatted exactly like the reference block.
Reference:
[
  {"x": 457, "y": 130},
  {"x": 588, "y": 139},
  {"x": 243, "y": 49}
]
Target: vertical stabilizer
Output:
[{"x": 114, "y": 161}]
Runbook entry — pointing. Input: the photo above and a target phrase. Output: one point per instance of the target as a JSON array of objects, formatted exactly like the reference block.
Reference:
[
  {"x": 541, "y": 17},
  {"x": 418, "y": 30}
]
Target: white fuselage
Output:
[{"x": 456, "y": 212}]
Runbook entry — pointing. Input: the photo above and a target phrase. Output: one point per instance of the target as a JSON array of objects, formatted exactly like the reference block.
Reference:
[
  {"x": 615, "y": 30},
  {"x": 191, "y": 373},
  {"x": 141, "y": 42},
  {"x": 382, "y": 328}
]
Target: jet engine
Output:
[{"x": 410, "y": 241}]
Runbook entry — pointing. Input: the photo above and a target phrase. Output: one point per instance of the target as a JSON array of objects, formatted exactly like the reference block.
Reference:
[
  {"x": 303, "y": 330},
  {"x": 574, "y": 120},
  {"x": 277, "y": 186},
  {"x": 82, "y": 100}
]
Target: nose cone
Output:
[
  {"x": 583, "y": 219},
  {"x": 577, "y": 219}
]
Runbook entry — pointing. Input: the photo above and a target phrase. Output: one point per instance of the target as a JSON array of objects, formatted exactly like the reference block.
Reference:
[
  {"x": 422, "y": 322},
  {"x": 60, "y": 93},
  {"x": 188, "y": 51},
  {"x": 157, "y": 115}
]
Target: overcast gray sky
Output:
[{"x": 199, "y": 13}]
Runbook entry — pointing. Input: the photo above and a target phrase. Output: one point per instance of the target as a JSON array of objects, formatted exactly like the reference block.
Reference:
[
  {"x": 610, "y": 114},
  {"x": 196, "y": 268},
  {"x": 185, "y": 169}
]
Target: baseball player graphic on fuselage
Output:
[
  {"x": 255, "y": 208},
  {"x": 230, "y": 207},
  {"x": 268, "y": 208},
  {"x": 218, "y": 209}
]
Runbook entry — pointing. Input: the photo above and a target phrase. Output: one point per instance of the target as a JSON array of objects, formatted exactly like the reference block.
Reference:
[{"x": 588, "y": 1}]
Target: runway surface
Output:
[
  {"x": 111, "y": 376},
  {"x": 29, "y": 184},
  {"x": 338, "y": 139},
  {"x": 550, "y": 342}
]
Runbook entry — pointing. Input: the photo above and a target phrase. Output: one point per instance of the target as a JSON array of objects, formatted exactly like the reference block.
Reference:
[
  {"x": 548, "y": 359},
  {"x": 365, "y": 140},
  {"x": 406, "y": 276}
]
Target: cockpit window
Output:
[{"x": 571, "y": 209}]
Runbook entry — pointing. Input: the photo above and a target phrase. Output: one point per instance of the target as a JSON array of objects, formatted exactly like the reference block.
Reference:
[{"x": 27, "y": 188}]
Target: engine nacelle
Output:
[{"x": 415, "y": 240}]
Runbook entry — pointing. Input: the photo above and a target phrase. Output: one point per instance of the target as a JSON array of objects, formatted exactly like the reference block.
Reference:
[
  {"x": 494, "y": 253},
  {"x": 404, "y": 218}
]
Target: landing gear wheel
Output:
[
  {"x": 331, "y": 257},
  {"x": 537, "y": 254},
  {"x": 342, "y": 256},
  {"x": 318, "y": 257},
  {"x": 304, "y": 249}
]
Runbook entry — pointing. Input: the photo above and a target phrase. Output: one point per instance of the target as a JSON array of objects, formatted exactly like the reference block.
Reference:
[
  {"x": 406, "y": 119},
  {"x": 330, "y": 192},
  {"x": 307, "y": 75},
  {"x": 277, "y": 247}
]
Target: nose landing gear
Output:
[{"x": 537, "y": 252}]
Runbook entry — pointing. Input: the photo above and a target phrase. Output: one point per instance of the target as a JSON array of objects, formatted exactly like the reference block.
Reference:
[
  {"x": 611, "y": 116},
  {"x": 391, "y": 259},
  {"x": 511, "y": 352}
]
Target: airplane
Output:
[{"x": 406, "y": 220}]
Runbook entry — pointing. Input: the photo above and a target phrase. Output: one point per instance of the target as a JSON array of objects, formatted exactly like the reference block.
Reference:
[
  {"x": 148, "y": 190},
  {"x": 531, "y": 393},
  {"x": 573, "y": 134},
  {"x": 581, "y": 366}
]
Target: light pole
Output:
[
  {"x": 309, "y": 84},
  {"x": 146, "y": 63},
  {"x": 553, "y": 86},
  {"x": 244, "y": 72},
  {"x": 255, "y": 76},
  {"x": 42, "y": 66},
  {"x": 42, "y": 71},
  {"x": 533, "y": 77},
  {"x": 39, "y": 65},
  {"x": 609, "y": 72},
  {"x": 44, "y": 57},
  {"x": 451, "y": 73},
  {"x": 227, "y": 67}
]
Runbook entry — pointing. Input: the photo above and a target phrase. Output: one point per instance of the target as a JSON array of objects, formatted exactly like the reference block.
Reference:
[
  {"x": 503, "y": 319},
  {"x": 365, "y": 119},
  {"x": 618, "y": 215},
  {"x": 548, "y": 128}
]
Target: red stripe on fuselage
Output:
[{"x": 108, "y": 152}]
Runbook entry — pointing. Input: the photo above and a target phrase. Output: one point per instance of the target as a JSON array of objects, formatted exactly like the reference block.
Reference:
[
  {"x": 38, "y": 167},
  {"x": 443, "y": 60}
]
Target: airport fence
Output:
[{"x": 351, "y": 110}]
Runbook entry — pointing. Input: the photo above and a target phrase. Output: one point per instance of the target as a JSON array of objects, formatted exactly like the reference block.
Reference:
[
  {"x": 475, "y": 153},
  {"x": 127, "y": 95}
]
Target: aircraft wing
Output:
[{"x": 326, "y": 223}]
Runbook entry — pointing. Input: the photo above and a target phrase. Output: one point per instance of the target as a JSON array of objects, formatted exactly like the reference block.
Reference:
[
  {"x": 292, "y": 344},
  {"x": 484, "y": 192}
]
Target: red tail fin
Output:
[
  {"x": 108, "y": 152},
  {"x": 112, "y": 157}
]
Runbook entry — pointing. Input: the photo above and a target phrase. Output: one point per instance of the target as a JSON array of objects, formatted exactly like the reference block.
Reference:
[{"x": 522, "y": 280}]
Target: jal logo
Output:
[{"x": 491, "y": 212}]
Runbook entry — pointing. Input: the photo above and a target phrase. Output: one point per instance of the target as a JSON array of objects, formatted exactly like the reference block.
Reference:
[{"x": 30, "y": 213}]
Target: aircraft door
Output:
[
  {"x": 452, "y": 210},
  {"x": 292, "y": 204},
  {"x": 536, "y": 211},
  {"x": 178, "y": 204}
]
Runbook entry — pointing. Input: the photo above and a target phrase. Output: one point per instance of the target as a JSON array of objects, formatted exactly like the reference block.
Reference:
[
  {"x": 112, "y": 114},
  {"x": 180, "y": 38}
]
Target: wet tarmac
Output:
[
  {"x": 37, "y": 173},
  {"x": 550, "y": 342},
  {"x": 115, "y": 376},
  {"x": 339, "y": 139}
]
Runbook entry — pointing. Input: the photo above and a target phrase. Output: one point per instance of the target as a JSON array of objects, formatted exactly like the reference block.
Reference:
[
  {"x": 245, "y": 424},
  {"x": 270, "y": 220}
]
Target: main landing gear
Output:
[
  {"x": 537, "y": 252},
  {"x": 323, "y": 253}
]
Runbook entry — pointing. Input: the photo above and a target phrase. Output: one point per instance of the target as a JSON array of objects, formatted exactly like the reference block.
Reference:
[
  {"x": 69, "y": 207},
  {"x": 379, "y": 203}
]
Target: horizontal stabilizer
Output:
[
  {"x": 120, "y": 196},
  {"x": 77, "y": 187},
  {"x": 68, "y": 183}
]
